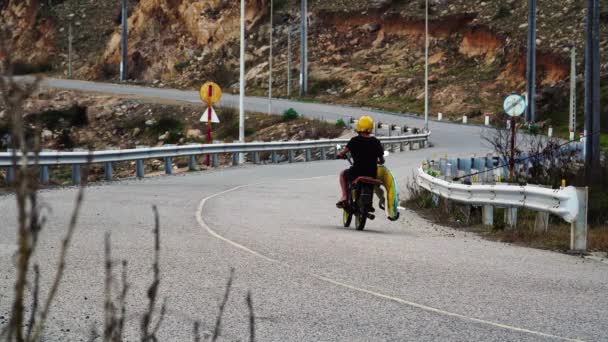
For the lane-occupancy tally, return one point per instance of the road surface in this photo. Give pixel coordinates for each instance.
(310, 279)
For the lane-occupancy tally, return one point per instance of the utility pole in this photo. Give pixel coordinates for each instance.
(426, 68)
(304, 49)
(289, 61)
(531, 63)
(123, 56)
(242, 82)
(592, 93)
(70, 40)
(572, 92)
(270, 64)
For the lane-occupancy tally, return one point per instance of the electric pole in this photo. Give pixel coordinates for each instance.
(304, 49)
(426, 68)
(70, 40)
(572, 92)
(592, 93)
(123, 45)
(270, 64)
(288, 61)
(242, 82)
(531, 63)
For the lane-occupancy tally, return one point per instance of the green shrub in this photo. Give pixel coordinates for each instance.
(180, 66)
(503, 12)
(75, 116)
(533, 129)
(340, 123)
(290, 115)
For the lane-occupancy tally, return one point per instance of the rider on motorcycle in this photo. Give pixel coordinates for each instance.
(367, 153)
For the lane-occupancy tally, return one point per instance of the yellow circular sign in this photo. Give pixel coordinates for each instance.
(211, 93)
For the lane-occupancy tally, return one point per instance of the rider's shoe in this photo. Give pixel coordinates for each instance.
(341, 204)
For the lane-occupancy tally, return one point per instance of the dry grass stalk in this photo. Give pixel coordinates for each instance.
(218, 321)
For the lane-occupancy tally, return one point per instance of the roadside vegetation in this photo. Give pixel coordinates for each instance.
(549, 168)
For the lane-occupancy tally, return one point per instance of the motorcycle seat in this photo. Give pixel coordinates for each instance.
(368, 180)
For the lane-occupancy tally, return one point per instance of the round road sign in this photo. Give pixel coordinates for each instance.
(514, 105)
(211, 93)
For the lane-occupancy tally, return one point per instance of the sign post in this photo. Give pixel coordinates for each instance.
(514, 106)
(210, 93)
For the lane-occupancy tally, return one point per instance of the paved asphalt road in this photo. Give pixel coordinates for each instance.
(310, 279)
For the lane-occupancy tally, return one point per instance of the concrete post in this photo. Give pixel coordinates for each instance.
(487, 215)
(139, 168)
(323, 153)
(308, 154)
(541, 224)
(235, 159)
(214, 160)
(464, 119)
(511, 218)
(192, 163)
(44, 174)
(274, 157)
(76, 176)
(439, 116)
(256, 157)
(108, 171)
(168, 165)
(578, 230)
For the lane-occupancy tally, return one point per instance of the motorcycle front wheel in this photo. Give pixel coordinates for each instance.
(347, 218)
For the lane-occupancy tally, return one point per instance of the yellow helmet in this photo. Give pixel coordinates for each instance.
(365, 124)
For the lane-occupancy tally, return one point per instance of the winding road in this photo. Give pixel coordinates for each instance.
(310, 279)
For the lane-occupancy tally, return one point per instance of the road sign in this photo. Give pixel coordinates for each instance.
(214, 117)
(514, 105)
(211, 93)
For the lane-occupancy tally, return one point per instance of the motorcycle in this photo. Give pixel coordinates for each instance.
(359, 200)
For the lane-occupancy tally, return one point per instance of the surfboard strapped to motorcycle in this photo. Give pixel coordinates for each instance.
(390, 203)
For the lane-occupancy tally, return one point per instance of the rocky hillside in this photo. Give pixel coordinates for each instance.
(368, 53)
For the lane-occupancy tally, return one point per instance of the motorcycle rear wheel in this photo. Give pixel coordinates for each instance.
(360, 220)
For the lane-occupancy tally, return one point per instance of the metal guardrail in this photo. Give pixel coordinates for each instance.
(78, 158)
(569, 203)
(85, 157)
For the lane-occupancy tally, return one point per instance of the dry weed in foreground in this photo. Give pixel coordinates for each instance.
(30, 221)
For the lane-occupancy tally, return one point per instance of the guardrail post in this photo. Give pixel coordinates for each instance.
(274, 156)
(578, 230)
(44, 174)
(235, 159)
(323, 153)
(487, 215)
(108, 171)
(10, 175)
(256, 157)
(168, 165)
(139, 168)
(541, 223)
(308, 154)
(192, 163)
(511, 218)
(465, 119)
(214, 160)
(76, 177)
(439, 116)
(290, 155)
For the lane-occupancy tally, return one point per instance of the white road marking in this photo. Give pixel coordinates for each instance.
(203, 224)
